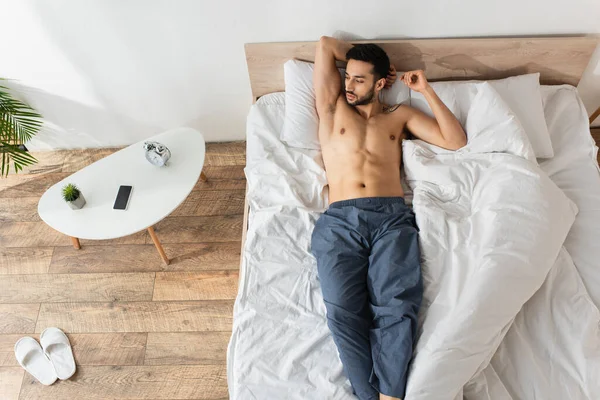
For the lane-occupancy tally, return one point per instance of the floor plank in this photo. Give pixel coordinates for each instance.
(225, 153)
(109, 348)
(7, 349)
(29, 185)
(135, 382)
(38, 234)
(89, 348)
(226, 228)
(25, 260)
(137, 238)
(208, 285)
(187, 348)
(210, 203)
(230, 177)
(10, 382)
(222, 184)
(137, 316)
(52, 288)
(30, 234)
(18, 318)
(22, 209)
(145, 258)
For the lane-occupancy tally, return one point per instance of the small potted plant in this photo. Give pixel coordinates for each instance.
(72, 195)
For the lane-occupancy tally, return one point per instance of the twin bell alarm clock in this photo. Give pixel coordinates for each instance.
(157, 153)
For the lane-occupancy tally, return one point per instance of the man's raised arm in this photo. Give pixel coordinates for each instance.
(326, 79)
(444, 130)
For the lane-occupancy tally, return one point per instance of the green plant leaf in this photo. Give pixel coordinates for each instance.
(18, 124)
(20, 158)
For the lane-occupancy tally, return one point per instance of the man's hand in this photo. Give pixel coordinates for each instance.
(391, 77)
(415, 80)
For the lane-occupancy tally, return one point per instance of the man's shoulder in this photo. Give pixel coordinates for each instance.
(397, 112)
(396, 108)
(390, 108)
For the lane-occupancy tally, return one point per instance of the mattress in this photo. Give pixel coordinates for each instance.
(280, 345)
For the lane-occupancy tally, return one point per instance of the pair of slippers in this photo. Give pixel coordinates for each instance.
(51, 361)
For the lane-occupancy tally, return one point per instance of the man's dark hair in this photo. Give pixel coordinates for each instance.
(373, 54)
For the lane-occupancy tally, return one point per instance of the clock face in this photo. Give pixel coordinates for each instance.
(154, 158)
(157, 153)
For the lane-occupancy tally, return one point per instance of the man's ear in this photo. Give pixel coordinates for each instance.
(380, 84)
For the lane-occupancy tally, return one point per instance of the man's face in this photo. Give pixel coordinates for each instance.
(360, 83)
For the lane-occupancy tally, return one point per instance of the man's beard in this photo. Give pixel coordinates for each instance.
(366, 99)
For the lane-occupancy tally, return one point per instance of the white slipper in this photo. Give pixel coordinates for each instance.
(30, 356)
(57, 347)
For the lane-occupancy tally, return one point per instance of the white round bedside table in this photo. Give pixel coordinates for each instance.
(156, 192)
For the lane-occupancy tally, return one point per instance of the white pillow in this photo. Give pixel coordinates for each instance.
(446, 91)
(521, 93)
(301, 124)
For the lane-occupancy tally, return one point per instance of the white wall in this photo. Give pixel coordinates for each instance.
(112, 72)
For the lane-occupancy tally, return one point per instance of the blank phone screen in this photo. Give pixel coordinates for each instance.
(122, 198)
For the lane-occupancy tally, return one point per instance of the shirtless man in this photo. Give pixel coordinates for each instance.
(366, 242)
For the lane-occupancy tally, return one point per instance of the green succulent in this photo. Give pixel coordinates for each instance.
(70, 192)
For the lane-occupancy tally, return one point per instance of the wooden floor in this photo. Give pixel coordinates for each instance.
(596, 136)
(139, 329)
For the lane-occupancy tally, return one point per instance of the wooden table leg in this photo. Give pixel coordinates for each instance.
(203, 177)
(158, 245)
(76, 243)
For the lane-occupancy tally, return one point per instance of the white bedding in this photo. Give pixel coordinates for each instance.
(491, 227)
(552, 349)
(280, 347)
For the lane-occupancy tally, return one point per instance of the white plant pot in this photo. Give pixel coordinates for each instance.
(77, 203)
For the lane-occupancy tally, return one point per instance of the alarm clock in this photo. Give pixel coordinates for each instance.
(157, 153)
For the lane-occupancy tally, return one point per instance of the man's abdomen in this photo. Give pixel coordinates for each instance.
(347, 181)
(369, 171)
(363, 188)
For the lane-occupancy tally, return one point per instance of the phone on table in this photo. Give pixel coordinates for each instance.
(122, 199)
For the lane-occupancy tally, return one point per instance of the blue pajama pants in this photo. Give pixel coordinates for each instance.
(368, 262)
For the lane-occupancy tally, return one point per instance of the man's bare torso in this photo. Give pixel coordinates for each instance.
(362, 156)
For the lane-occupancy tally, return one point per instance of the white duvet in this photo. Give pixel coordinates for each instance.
(505, 314)
(492, 225)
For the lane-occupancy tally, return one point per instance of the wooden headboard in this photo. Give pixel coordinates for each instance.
(558, 59)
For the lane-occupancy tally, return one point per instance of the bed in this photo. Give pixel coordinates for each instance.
(280, 346)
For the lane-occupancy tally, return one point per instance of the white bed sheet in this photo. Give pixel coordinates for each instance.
(280, 346)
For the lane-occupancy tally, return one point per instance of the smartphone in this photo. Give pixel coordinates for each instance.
(122, 198)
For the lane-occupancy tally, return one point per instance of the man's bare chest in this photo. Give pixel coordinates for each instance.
(379, 134)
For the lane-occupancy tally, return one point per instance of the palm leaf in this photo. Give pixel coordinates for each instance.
(18, 124)
(17, 119)
(20, 158)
